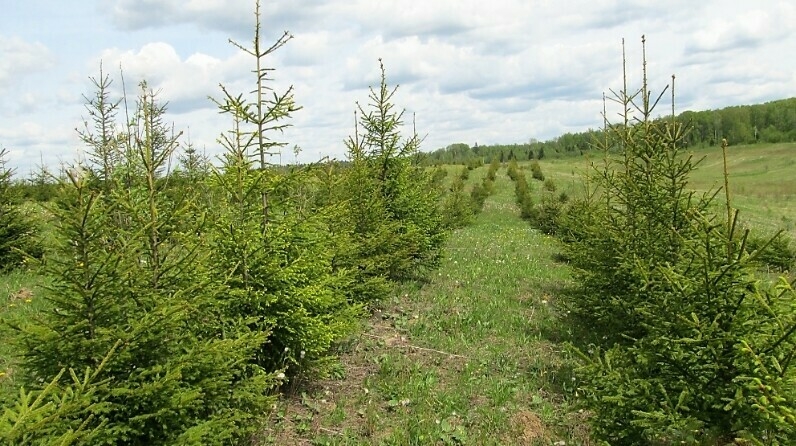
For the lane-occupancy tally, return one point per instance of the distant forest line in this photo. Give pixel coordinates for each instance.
(771, 122)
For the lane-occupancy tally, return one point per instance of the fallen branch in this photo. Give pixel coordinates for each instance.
(331, 431)
(417, 348)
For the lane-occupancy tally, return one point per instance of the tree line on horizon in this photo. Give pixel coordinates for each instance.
(771, 122)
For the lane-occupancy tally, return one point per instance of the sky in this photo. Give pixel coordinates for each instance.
(468, 71)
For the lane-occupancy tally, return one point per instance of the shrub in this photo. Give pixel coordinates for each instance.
(16, 232)
(714, 361)
(483, 190)
(513, 170)
(39, 187)
(479, 195)
(439, 174)
(474, 163)
(536, 170)
(457, 206)
(281, 277)
(776, 253)
(546, 215)
(464, 175)
(494, 165)
(522, 192)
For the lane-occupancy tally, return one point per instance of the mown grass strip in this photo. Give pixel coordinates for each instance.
(471, 357)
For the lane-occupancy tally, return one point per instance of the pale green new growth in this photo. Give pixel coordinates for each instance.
(255, 120)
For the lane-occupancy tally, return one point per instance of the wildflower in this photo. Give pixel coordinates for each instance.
(302, 354)
(280, 375)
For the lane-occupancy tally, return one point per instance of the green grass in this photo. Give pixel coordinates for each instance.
(762, 181)
(471, 357)
(475, 355)
(19, 300)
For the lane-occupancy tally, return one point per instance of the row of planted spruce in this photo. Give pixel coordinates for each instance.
(682, 337)
(181, 300)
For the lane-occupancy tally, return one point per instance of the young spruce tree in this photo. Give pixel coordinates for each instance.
(276, 258)
(129, 273)
(391, 205)
(691, 346)
(16, 232)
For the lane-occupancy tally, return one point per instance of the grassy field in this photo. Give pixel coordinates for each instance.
(474, 356)
(762, 181)
(19, 300)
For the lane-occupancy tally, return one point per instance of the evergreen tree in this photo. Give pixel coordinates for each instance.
(16, 233)
(457, 206)
(392, 207)
(689, 346)
(128, 273)
(100, 134)
(276, 257)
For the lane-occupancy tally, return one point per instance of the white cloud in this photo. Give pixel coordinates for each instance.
(31, 143)
(184, 83)
(19, 58)
(213, 14)
(501, 71)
